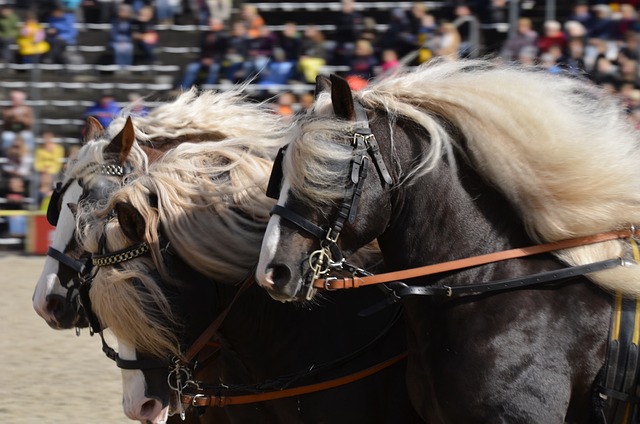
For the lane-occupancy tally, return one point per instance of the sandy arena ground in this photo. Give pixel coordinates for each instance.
(49, 376)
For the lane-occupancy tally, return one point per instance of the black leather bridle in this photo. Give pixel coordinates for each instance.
(81, 266)
(329, 257)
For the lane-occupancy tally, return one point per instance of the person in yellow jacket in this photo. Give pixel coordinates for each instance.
(31, 40)
(49, 156)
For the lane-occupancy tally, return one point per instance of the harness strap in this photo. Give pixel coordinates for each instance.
(300, 221)
(370, 141)
(74, 264)
(303, 223)
(221, 401)
(206, 336)
(355, 281)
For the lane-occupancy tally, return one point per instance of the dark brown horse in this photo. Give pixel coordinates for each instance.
(191, 228)
(456, 160)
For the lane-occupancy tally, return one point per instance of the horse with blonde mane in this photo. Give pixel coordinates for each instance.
(201, 212)
(468, 163)
(105, 160)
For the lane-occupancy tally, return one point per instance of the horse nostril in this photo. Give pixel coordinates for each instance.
(278, 274)
(56, 306)
(148, 408)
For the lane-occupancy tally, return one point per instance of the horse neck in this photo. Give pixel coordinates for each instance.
(271, 338)
(443, 216)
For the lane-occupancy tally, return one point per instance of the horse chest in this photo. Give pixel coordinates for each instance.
(506, 355)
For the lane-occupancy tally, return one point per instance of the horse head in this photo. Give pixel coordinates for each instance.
(146, 312)
(333, 171)
(98, 171)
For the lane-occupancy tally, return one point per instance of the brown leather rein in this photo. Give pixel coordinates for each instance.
(220, 401)
(355, 281)
(204, 339)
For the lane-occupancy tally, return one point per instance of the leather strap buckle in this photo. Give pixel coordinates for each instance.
(196, 398)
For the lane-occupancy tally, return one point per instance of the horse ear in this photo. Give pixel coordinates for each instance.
(122, 143)
(92, 129)
(342, 98)
(322, 84)
(131, 221)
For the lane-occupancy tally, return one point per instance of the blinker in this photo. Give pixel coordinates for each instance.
(53, 210)
(275, 180)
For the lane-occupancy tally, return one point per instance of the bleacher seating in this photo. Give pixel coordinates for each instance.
(60, 93)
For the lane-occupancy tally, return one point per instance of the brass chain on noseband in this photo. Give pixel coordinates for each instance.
(120, 256)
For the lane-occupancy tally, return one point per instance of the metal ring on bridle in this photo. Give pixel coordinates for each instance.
(319, 262)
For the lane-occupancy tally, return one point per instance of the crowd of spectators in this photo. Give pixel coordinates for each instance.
(597, 40)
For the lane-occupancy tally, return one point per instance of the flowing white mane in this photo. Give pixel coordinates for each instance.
(209, 197)
(560, 149)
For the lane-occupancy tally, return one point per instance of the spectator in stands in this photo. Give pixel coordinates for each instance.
(32, 43)
(398, 35)
(220, 9)
(213, 46)
(313, 55)
(448, 42)
(290, 42)
(166, 11)
(416, 14)
(279, 71)
(574, 58)
(628, 21)
(605, 73)
(468, 27)
(552, 36)
(602, 26)
(97, 11)
(630, 47)
(252, 20)
(528, 56)
(349, 23)
(45, 190)
(524, 37)
(137, 5)
(260, 51)
(370, 32)
(19, 161)
(71, 6)
(285, 104)
(575, 29)
(49, 156)
(237, 50)
(61, 32)
(363, 63)
(18, 120)
(136, 105)
(15, 195)
(306, 101)
(121, 36)
(582, 14)
(389, 63)
(144, 35)
(427, 38)
(9, 23)
(104, 110)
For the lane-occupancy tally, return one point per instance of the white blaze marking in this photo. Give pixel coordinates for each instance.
(271, 239)
(48, 282)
